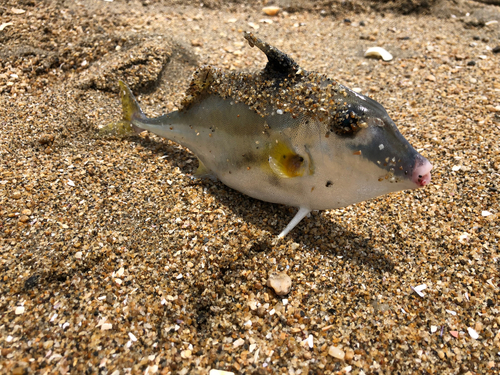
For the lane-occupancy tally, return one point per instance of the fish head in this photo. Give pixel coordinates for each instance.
(374, 136)
(366, 153)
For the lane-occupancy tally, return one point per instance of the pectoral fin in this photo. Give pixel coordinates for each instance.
(203, 171)
(285, 163)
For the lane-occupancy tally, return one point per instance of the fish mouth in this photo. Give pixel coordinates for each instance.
(421, 175)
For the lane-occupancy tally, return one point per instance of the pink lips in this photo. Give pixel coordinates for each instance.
(422, 172)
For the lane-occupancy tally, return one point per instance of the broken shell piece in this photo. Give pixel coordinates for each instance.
(220, 372)
(106, 326)
(280, 282)
(418, 289)
(271, 11)
(4, 25)
(309, 342)
(378, 52)
(238, 343)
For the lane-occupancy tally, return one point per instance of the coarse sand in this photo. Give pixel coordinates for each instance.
(114, 260)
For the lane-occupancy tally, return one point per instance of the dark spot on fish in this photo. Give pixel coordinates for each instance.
(274, 180)
(249, 158)
(329, 183)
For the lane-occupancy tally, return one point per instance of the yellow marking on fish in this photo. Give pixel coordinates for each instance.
(285, 163)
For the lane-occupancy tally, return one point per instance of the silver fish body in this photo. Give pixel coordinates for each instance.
(287, 136)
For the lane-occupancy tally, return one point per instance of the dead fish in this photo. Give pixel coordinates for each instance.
(288, 136)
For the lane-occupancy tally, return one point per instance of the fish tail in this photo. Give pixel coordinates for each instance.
(130, 106)
(131, 112)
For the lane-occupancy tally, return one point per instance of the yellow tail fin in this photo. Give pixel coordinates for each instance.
(130, 106)
(131, 110)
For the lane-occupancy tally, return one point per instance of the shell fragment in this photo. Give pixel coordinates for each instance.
(378, 52)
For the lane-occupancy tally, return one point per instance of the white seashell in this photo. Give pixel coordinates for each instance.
(378, 52)
(473, 333)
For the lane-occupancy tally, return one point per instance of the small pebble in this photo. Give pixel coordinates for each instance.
(349, 355)
(45, 139)
(271, 10)
(19, 310)
(496, 49)
(336, 352)
(281, 283)
(48, 344)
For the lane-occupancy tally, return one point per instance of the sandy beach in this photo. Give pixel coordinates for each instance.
(114, 260)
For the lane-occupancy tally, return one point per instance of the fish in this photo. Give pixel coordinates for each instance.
(286, 135)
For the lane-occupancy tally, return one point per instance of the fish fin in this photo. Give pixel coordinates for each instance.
(296, 219)
(278, 62)
(201, 80)
(285, 163)
(203, 171)
(130, 106)
(131, 111)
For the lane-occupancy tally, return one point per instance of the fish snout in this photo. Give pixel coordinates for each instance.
(422, 172)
